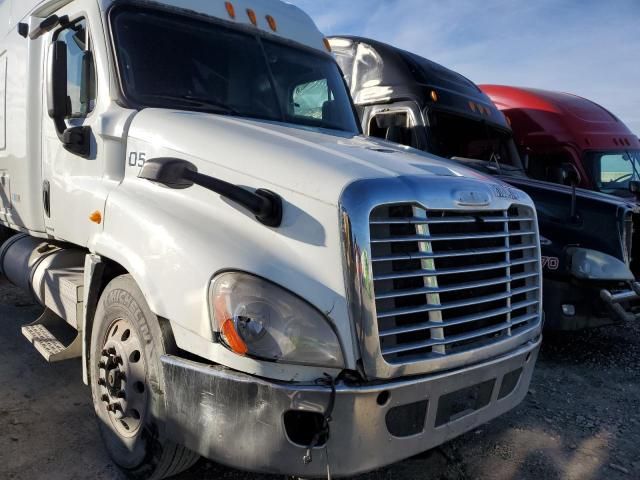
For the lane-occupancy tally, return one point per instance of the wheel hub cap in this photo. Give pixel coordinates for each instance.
(122, 378)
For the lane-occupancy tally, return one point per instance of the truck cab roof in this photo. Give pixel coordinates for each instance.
(381, 73)
(274, 17)
(542, 116)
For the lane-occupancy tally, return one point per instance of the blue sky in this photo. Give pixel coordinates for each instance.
(589, 48)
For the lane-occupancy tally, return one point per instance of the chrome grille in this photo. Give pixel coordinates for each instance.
(448, 281)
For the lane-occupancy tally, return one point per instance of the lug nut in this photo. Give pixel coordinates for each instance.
(102, 382)
(121, 376)
(102, 365)
(111, 351)
(122, 394)
(104, 353)
(105, 398)
(117, 410)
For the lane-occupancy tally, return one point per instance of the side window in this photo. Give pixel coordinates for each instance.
(80, 71)
(311, 99)
(395, 127)
(616, 170)
(548, 166)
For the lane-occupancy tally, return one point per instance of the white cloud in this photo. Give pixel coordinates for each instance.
(588, 48)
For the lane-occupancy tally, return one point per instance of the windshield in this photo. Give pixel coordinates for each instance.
(175, 61)
(612, 171)
(473, 142)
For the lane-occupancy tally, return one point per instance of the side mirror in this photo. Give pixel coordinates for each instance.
(570, 175)
(75, 139)
(634, 187)
(57, 104)
(524, 157)
(175, 173)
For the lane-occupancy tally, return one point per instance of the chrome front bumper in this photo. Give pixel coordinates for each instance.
(238, 420)
(619, 302)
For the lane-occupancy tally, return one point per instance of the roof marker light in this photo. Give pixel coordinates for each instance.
(272, 23)
(327, 45)
(252, 16)
(230, 9)
(472, 106)
(434, 95)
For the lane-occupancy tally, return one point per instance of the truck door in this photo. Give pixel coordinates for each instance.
(72, 186)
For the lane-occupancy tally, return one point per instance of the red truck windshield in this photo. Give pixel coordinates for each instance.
(612, 171)
(178, 61)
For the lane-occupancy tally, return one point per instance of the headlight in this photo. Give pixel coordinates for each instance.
(594, 265)
(259, 319)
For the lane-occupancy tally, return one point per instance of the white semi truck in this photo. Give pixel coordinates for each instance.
(185, 188)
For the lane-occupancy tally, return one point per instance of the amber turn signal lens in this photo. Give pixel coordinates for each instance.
(227, 328)
(96, 217)
(434, 95)
(230, 9)
(232, 338)
(252, 17)
(272, 23)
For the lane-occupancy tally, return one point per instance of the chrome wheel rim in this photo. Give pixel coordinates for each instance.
(122, 378)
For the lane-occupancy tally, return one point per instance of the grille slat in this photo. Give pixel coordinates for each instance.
(453, 253)
(457, 338)
(457, 271)
(452, 288)
(458, 304)
(451, 281)
(433, 221)
(456, 321)
(450, 238)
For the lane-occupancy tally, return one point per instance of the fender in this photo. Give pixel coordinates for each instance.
(164, 250)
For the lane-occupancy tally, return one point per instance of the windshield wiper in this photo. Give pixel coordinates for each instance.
(494, 158)
(488, 165)
(199, 102)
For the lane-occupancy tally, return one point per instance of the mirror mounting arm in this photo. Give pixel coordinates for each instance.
(44, 26)
(265, 205)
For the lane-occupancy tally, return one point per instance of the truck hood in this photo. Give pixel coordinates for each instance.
(581, 193)
(318, 164)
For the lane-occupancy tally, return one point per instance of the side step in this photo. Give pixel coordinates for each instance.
(51, 347)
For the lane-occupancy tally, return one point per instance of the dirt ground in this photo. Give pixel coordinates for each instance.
(581, 419)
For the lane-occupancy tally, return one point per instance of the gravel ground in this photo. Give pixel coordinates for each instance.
(581, 419)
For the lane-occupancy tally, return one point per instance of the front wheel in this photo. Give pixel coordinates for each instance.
(127, 341)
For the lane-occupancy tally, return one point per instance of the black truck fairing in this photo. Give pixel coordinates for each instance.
(588, 242)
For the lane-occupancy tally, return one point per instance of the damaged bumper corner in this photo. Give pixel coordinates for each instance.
(247, 422)
(620, 302)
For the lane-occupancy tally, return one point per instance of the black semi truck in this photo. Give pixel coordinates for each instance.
(590, 241)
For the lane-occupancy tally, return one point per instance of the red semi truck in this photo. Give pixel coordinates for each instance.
(556, 129)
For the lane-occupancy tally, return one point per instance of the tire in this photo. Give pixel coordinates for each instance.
(127, 385)
(5, 234)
